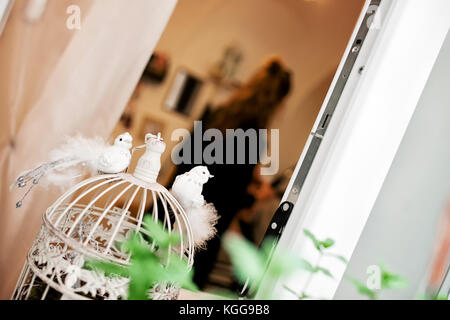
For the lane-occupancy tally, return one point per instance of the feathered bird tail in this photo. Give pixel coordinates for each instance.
(78, 150)
(68, 162)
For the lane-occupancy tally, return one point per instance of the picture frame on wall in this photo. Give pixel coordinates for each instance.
(183, 92)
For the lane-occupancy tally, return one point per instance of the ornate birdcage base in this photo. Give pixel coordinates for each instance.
(54, 270)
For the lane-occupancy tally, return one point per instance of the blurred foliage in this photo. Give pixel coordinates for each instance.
(151, 262)
(250, 263)
(154, 262)
(440, 296)
(322, 247)
(389, 280)
(363, 289)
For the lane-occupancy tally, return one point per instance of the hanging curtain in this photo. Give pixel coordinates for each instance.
(56, 81)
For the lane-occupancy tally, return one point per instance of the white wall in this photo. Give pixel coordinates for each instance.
(402, 226)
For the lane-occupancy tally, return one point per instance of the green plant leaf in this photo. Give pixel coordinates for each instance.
(140, 281)
(306, 265)
(248, 262)
(149, 266)
(159, 234)
(341, 258)
(324, 271)
(434, 297)
(268, 245)
(327, 243)
(363, 289)
(109, 269)
(391, 280)
(316, 242)
(179, 272)
(136, 246)
(284, 264)
(303, 296)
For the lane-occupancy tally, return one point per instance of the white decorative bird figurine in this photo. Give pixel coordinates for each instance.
(116, 158)
(71, 160)
(202, 216)
(188, 186)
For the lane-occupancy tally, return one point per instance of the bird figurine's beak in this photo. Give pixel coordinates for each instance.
(211, 176)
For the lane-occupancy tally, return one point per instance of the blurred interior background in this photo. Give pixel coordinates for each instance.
(208, 51)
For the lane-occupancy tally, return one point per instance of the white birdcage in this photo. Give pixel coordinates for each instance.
(89, 220)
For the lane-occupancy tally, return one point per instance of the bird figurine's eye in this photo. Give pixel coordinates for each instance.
(120, 139)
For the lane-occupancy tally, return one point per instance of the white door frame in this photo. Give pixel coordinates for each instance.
(362, 138)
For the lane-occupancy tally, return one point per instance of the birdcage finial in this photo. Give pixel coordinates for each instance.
(149, 164)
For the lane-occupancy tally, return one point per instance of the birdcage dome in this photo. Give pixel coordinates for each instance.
(90, 220)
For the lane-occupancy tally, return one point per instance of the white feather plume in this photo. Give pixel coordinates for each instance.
(79, 149)
(77, 156)
(63, 178)
(73, 159)
(202, 221)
